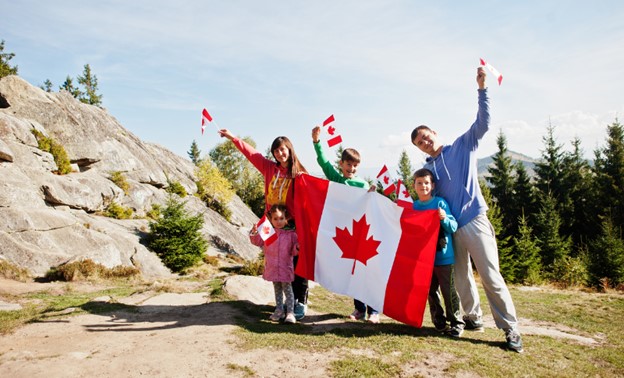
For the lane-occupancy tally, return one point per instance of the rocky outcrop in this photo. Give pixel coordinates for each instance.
(48, 219)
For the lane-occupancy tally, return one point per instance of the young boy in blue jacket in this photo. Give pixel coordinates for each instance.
(443, 266)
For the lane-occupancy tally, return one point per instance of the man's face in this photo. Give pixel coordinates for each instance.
(427, 141)
(348, 168)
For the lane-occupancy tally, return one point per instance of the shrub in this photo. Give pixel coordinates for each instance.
(253, 267)
(176, 237)
(176, 188)
(211, 260)
(114, 210)
(214, 189)
(58, 152)
(119, 179)
(13, 272)
(154, 213)
(88, 269)
(571, 271)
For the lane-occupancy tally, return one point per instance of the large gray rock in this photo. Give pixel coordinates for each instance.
(48, 219)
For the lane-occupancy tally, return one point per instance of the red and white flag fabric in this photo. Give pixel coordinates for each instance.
(362, 245)
(206, 118)
(266, 230)
(403, 199)
(493, 70)
(334, 138)
(387, 182)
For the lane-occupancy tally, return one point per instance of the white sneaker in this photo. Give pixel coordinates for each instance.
(290, 318)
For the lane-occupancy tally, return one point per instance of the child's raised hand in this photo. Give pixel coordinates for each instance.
(254, 230)
(442, 213)
(316, 132)
(225, 133)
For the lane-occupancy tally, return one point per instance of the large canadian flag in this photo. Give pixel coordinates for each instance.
(363, 245)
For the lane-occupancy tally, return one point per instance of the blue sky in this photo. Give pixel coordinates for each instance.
(269, 68)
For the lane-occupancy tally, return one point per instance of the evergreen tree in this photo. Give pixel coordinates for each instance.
(406, 172)
(527, 253)
(247, 182)
(549, 169)
(609, 171)
(523, 200)
(47, 86)
(338, 157)
(5, 68)
(606, 258)
(68, 85)
(176, 236)
(506, 259)
(194, 153)
(502, 182)
(553, 245)
(89, 82)
(576, 214)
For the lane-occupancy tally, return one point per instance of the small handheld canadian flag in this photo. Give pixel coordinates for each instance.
(266, 231)
(386, 181)
(404, 199)
(493, 70)
(207, 118)
(334, 138)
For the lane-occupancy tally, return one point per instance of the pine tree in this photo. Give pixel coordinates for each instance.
(194, 153)
(606, 258)
(68, 85)
(5, 68)
(506, 259)
(576, 213)
(553, 245)
(406, 172)
(47, 86)
(523, 200)
(609, 171)
(527, 253)
(176, 236)
(549, 169)
(338, 157)
(89, 82)
(502, 181)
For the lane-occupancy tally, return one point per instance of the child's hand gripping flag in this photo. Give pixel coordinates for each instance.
(494, 71)
(266, 231)
(328, 125)
(387, 182)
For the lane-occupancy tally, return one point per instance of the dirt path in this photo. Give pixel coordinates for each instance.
(166, 335)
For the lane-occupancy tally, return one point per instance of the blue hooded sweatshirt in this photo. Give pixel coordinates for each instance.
(455, 168)
(446, 255)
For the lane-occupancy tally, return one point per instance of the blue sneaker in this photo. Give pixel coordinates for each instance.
(300, 310)
(473, 325)
(514, 341)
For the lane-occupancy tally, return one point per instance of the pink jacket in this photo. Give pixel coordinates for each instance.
(278, 257)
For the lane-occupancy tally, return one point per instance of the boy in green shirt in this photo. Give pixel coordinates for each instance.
(349, 162)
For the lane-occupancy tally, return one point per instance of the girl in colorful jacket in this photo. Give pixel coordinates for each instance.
(278, 261)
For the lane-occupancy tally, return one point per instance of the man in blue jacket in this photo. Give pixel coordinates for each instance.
(455, 168)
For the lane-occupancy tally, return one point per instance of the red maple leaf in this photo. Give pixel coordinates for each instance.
(405, 193)
(331, 130)
(357, 246)
(386, 180)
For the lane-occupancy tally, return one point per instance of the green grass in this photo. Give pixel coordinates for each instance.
(41, 305)
(393, 349)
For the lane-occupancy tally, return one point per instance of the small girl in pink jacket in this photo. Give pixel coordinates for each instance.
(278, 262)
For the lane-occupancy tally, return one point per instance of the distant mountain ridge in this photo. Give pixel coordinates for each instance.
(516, 157)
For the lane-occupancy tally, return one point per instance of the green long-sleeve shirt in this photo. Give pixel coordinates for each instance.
(332, 173)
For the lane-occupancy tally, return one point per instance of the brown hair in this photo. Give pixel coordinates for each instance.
(424, 172)
(294, 165)
(417, 129)
(278, 207)
(350, 154)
